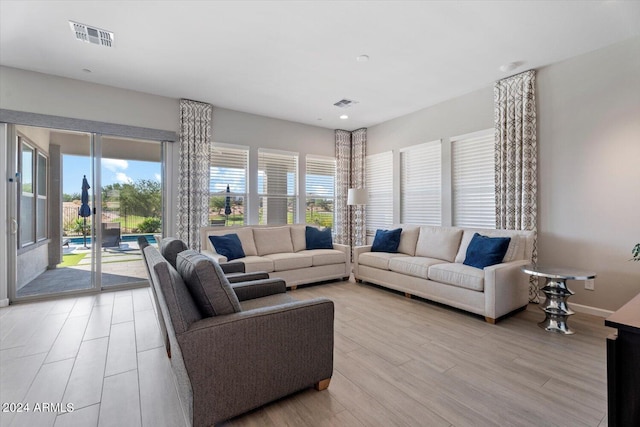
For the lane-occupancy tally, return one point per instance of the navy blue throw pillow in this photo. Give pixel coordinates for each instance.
(484, 251)
(386, 241)
(228, 245)
(318, 239)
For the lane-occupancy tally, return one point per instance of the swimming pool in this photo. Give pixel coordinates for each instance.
(124, 238)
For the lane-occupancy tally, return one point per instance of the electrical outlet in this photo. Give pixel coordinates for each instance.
(590, 284)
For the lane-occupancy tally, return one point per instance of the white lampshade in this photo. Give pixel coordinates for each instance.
(357, 196)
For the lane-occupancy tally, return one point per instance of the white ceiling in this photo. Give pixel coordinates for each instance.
(293, 60)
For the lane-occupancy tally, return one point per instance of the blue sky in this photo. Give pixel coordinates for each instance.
(113, 171)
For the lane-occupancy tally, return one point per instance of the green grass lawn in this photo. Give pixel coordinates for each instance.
(69, 260)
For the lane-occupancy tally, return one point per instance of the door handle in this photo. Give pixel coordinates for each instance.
(14, 226)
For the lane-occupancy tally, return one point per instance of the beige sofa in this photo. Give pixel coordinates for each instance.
(281, 251)
(429, 264)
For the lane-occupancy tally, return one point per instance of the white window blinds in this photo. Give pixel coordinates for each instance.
(228, 167)
(379, 178)
(473, 182)
(420, 184)
(277, 187)
(320, 190)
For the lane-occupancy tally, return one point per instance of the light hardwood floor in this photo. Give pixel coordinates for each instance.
(397, 362)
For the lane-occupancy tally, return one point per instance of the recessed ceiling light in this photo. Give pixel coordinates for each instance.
(362, 58)
(344, 117)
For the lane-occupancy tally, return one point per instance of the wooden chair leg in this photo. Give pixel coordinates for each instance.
(490, 320)
(322, 384)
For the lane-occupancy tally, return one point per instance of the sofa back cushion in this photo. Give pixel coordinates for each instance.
(408, 238)
(438, 242)
(207, 284)
(298, 236)
(170, 248)
(245, 234)
(517, 249)
(273, 240)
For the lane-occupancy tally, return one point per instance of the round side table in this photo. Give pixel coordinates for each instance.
(555, 306)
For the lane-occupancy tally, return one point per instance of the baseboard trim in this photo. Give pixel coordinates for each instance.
(587, 309)
(4, 302)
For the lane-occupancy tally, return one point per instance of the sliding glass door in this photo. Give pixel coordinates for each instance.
(79, 203)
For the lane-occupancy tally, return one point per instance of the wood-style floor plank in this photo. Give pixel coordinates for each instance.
(397, 362)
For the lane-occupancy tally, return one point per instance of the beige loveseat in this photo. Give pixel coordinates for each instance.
(429, 264)
(282, 252)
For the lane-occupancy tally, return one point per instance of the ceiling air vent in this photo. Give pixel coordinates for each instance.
(93, 35)
(345, 103)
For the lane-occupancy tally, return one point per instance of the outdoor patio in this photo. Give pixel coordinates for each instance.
(120, 266)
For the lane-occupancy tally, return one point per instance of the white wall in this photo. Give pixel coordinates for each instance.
(33, 92)
(589, 169)
(588, 162)
(22, 90)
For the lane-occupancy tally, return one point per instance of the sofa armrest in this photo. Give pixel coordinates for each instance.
(233, 267)
(347, 252)
(506, 288)
(246, 277)
(357, 250)
(259, 288)
(214, 256)
(243, 360)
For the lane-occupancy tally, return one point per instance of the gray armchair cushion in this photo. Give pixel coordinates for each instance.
(258, 288)
(207, 284)
(170, 248)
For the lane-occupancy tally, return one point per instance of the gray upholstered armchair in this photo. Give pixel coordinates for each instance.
(234, 349)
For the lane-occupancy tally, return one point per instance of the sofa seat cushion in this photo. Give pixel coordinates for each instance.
(289, 261)
(325, 256)
(413, 265)
(457, 274)
(272, 240)
(378, 259)
(257, 263)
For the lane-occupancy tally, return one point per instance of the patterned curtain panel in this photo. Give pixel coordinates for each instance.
(193, 182)
(342, 222)
(357, 180)
(516, 158)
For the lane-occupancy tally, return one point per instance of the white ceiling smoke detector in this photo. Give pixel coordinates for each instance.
(362, 58)
(345, 103)
(92, 35)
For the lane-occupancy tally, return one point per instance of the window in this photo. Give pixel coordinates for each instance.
(227, 168)
(32, 209)
(277, 187)
(379, 178)
(320, 193)
(420, 184)
(473, 182)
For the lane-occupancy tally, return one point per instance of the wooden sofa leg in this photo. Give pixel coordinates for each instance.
(294, 287)
(407, 295)
(322, 384)
(490, 320)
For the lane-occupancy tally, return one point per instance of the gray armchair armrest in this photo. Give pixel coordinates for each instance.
(246, 277)
(259, 288)
(257, 356)
(232, 267)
